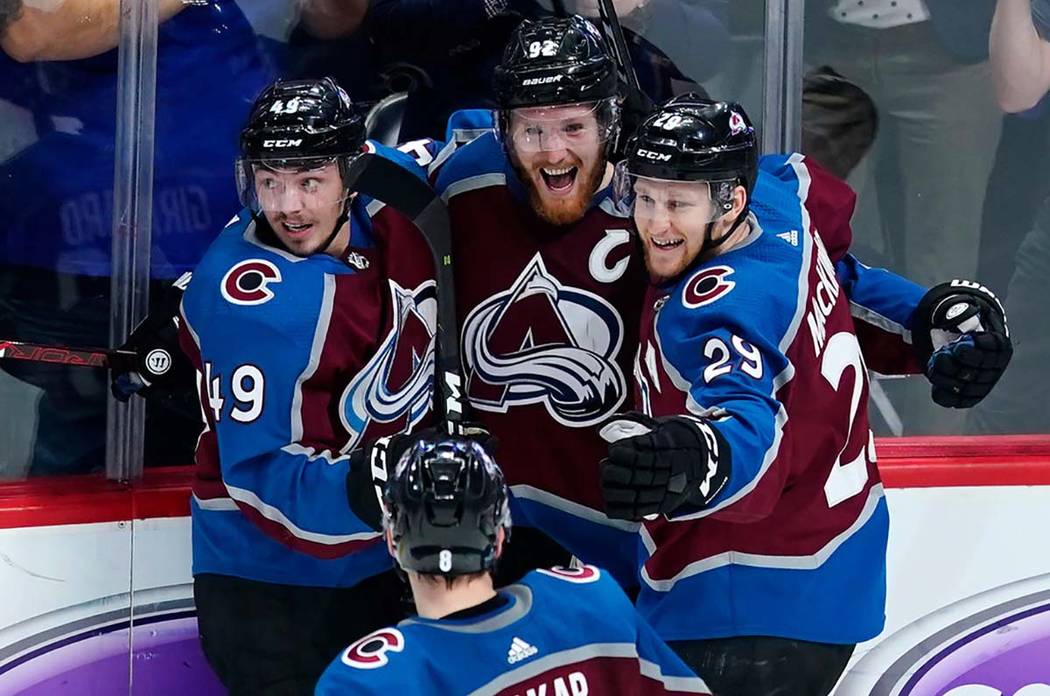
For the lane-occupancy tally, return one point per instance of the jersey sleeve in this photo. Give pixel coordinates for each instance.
(254, 377)
(882, 304)
(827, 202)
(660, 664)
(731, 369)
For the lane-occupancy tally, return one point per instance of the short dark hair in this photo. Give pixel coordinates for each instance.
(450, 580)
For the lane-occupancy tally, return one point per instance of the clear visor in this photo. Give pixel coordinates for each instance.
(290, 185)
(562, 127)
(649, 199)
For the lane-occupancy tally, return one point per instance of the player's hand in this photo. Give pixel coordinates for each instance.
(158, 363)
(372, 464)
(656, 465)
(963, 342)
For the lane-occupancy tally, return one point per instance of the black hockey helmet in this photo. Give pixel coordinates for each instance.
(445, 503)
(302, 119)
(692, 139)
(689, 138)
(557, 61)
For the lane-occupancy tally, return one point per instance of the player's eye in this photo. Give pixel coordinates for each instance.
(311, 185)
(645, 199)
(573, 129)
(675, 204)
(268, 184)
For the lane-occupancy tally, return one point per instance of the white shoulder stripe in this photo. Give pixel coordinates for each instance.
(273, 514)
(473, 183)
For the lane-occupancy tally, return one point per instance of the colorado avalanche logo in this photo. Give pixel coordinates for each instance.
(246, 283)
(543, 342)
(371, 396)
(580, 576)
(707, 286)
(370, 652)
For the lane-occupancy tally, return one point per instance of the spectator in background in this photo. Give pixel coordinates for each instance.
(675, 45)
(57, 200)
(924, 64)
(443, 52)
(921, 188)
(1020, 56)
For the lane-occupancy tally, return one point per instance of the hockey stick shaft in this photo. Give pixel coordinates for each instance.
(614, 33)
(64, 355)
(386, 181)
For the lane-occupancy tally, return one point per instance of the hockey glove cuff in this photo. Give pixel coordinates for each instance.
(159, 362)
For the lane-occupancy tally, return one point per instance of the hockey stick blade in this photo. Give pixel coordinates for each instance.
(386, 181)
(64, 355)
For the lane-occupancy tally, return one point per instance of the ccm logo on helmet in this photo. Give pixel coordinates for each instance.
(246, 283)
(658, 156)
(541, 80)
(283, 143)
(370, 652)
(707, 286)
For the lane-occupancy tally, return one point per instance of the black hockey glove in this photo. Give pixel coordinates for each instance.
(372, 464)
(656, 465)
(159, 362)
(960, 334)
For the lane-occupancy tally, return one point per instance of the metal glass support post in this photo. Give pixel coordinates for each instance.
(132, 217)
(782, 110)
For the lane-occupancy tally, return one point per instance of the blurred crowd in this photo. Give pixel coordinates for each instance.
(933, 110)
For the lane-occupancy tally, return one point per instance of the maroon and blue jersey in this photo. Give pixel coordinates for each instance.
(559, 632)
(548, 317)
(299, 361)
(762, 341)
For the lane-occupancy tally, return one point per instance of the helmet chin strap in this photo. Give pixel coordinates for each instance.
(339, 222)
(710, 244)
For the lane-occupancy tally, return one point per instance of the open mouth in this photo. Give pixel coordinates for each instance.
(559, 179)
(297, 229)
(667, 244)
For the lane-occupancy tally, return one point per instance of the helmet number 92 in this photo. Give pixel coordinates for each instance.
(667, 121)
(545, 48)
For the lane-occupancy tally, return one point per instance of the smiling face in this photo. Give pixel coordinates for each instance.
(672, 219)
(558, 153)
(303, 206)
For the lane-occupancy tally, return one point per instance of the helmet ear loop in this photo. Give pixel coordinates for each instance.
(724, 201)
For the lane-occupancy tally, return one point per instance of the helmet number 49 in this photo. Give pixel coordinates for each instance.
(289, 107)
(545, 48)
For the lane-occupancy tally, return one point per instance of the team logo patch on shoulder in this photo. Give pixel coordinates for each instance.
(248, 282)
(370, 652)
(707, 286)
(581, 576)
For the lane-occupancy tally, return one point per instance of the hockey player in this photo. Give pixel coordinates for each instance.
(560, 632)
(310, 323)
(548, 285)
(753, 469)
